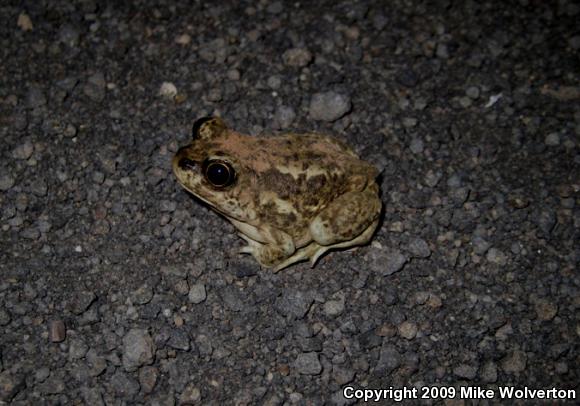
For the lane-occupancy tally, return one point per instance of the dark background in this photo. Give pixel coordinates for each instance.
(470, 109)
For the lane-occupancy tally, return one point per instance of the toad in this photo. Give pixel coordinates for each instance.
(291, 197)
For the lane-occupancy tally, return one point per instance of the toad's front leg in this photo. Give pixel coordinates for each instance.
(268, 245)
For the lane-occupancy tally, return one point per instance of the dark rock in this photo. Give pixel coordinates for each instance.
(81, 301)
(294, 303)
(516, 362)
(232, 299)
(190, 395)
(77, 348)
(329, 106)
(148, 378)
(36, 97)
(197, 293)
(284, 117)
(419, 248)
(95, 88)
(389, 359)
(142, 295)
(179, 340)
(370, 340)
(308, 363)
(124, 385)
(10, 385)
(6, 181)
(92, 396)
(465, 371)
(54, 385)
(138, 349)
(546, 220)
(407, 77)
(388, 262)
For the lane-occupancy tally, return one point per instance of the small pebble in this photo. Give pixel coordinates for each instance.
(274, 82)
(419, 248)
(233, 74)
(394, 262)
(334, 308)
(197, 293)
(574, 42)
(417, 146)
(167, 90)
(489, 372)
(96, 86)
(342, 375)
(6, 182)
(545, 310)
(546, 220)
(515, 362)
(23, 151)
(472, 92)
(308, 363)
(190, 395)
(183, 39)
(276, 7)
(138, 349)
(297, 57)
(77, 348)
(442, 51)
(294, 303)
(42, 374)
(465, 371)
(432, 178)
(284, 116)
(407, 330)
(69, 35)
(148, 378)
(10, 385)
(56, 331)
(24, 22)
(329, 106)
(142, 295)
(389, 359)
(480, 246)
(35, 97)
(496, 256)
(552, 139)
(124, 385)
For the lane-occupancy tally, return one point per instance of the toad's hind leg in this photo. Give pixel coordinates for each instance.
(314, 251)
(349, 220)
(362, 239)
(346, 218)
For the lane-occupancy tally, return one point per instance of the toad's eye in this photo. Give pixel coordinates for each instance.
(219, 173)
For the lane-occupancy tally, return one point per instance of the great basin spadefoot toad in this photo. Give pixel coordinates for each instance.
(292, 197)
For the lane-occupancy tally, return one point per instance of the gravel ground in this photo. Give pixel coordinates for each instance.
(119, 288)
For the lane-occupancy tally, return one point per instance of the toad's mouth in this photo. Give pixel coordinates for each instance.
(198, 196)
(211, 204)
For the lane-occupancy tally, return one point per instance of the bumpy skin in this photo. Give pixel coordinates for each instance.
(295, 196)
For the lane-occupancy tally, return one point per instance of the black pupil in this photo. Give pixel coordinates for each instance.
(218, 174)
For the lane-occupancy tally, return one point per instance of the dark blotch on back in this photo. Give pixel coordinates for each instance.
(283, 184)
(316, 182)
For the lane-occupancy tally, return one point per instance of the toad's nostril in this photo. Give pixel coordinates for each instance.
(187, 164)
